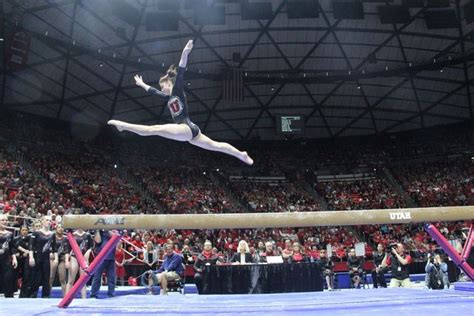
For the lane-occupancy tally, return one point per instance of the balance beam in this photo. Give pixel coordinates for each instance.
(270, 220)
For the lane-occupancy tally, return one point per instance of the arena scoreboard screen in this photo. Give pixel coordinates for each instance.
(290, 124)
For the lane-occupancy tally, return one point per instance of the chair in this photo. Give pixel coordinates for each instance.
(178, 284)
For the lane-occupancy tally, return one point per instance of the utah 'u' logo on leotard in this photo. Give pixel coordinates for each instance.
(175, 106)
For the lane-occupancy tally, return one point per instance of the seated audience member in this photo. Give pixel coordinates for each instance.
(354, 264)
(298, 255)
(399, 264)
(171, 269)
(378, 272)
(327, 268)
(288, 251)
(242, 256)
(436, 273)
(313, 253)
(268, 252)
(188, 257)
(205, 258)
(150, 255)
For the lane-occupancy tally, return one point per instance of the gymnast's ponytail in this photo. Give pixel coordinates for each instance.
(171, 74)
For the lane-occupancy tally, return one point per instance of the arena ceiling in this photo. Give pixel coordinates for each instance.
(345, 76)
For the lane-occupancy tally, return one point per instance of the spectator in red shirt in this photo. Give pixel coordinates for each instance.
(288, 251)
(297, 255)
(269, 252)
(205, 258)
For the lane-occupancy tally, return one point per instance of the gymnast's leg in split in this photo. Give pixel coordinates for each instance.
(183, 133)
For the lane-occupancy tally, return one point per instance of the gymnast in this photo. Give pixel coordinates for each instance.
(172, 90)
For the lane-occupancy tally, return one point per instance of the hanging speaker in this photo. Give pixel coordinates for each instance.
(161, 21)
(351, 9)
(256, 10)
(469, 12)
(302, 9)
(394, 14)
(441, 19)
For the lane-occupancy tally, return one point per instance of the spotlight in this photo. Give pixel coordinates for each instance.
(204, 173)
(115, 166)
(217, 170)
(410, 64)
(304, 75)
(245, 74)
(358, 87)
(1, 39)
(386, 67)
(139, 59)
(46, 33)
(101, 65)
(273, 89)
(441, 70)
(327, 73)
(188, 83)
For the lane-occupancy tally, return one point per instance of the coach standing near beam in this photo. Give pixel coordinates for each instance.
(101, 238)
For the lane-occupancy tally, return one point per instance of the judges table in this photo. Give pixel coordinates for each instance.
(261, 278)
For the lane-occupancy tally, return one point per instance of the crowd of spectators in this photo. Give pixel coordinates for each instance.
(444, 182)
(88, 179)
(185, 190)
(24, 194)
(365, 194)
(274, 196)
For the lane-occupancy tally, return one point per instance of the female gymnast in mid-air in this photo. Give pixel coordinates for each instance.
(172, 90)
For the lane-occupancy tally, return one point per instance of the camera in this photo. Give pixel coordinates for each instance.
(390, 247)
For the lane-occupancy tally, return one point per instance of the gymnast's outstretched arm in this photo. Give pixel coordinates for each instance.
(184, 56)
(139, 82)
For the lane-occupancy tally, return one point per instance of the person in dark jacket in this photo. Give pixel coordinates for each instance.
(205, 258)
(242, 256)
